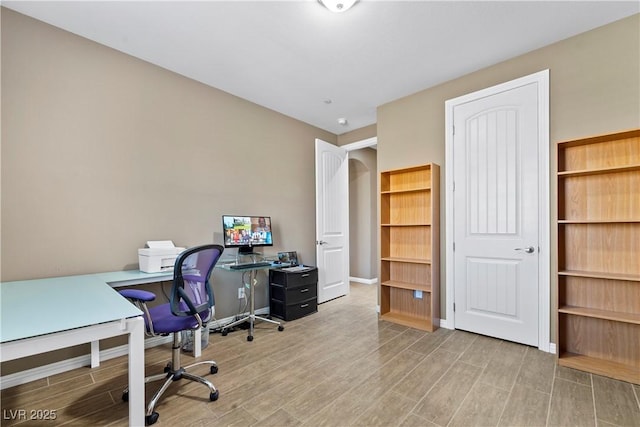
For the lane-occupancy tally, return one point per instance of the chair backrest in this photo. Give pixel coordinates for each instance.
(191, 292)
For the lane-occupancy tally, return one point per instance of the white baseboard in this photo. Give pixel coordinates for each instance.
(444, 324)
(552, 348)
(40, 372)
(365, 281)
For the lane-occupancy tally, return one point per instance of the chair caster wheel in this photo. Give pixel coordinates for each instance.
(281, 328)
(151, 419)
(224, 332)
(125, 396)
(214, 370)
(250, 338)
(214, 396)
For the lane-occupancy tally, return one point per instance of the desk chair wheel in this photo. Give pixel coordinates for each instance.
(250, 338)
(281, 328)
(214, 396)
(224, 332)
(151, 419)
(125, 396)
(214, 369)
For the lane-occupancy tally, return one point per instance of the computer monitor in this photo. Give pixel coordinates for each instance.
(246, 232)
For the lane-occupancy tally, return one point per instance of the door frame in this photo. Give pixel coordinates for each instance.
(540, 78)
(364, 143)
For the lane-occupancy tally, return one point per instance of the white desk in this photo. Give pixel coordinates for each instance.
(133, 277)
(117, 279)
(71, 311)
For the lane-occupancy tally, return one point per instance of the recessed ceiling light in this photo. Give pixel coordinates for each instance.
(342, 121)
(338, 6)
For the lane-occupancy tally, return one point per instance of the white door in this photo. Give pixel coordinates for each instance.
(496, 214)
(332, 220)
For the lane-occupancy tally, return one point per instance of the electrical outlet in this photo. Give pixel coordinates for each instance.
(417, 294)
(240, 293)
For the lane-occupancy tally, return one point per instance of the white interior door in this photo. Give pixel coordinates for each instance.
(332, 220)
(496, 214)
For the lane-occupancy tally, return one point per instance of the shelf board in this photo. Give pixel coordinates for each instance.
(424, 287)
(409, 260)
(422, 224)
(599, 366)
(406, 320)
(597, 139)
(406, 190)
(615, 316)
(600, 275)
(598, 221)
(598, 171)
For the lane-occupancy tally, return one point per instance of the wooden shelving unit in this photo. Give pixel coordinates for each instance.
(410, 246)
(598, 318)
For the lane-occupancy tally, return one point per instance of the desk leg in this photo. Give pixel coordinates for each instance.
(251, 318)
(95, 354)
(197, 342)
(136, 371)
(252, 309)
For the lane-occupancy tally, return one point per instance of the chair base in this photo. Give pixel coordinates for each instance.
(172, 375)
(251, 319)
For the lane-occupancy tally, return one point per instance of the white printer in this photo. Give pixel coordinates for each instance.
(159, 255)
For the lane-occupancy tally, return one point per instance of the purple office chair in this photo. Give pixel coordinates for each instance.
(191, 305)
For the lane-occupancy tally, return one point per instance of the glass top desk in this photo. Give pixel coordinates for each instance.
(250, 265)
(70, 311)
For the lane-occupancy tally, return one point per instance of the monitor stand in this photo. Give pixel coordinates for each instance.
(245, 250)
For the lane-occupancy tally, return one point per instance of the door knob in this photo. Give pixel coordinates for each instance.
(320, 242)
(528, 249)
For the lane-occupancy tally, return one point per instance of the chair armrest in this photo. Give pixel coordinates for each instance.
(139, 298)
(138, 294)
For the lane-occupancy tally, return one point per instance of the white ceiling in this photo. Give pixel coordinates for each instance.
(292, 56)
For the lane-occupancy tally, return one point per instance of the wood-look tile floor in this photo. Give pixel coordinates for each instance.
(344, 367)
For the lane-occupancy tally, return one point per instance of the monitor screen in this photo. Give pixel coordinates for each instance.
(245, 232)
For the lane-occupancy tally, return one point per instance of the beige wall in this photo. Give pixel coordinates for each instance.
(594, 88)
(102, 152)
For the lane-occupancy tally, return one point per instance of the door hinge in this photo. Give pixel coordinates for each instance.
(453, 129)
(454, 246)
(454, 186)
(454, 307)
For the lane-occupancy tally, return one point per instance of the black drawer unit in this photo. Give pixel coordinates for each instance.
(293, 294)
